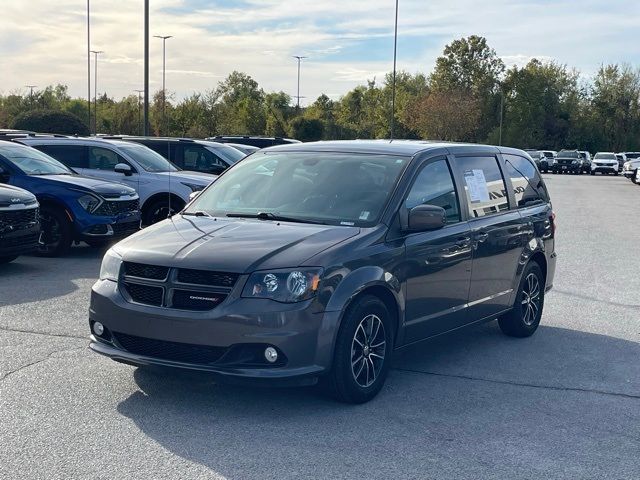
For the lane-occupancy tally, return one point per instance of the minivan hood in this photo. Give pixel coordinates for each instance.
(230, 245)
(90, 184)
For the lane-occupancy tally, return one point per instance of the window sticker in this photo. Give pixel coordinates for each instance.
(477, 185)
(364, 215)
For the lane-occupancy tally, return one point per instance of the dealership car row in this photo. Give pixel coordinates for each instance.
(581, 161)
(56, 190)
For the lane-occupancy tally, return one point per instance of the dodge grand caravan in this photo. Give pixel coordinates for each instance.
(318, 260)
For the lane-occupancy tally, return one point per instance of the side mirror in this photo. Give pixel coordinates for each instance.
(193, 195)
(124, 169)
(426, 217)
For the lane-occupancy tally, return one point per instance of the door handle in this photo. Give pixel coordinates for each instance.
(481, 236)
(462, 242)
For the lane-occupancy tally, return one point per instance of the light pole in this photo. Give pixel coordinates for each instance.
(89, 64)
(164, 70)
(140, 92)
(95, 91)
(146, 67)
(300, 58)
(393, 88)
(31, 87)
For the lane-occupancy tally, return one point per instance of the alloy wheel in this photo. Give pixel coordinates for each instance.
(530, 299)
(51, 233)
(368, 349)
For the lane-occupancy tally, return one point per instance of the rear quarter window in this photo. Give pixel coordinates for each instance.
(528, 187)
(485, 188)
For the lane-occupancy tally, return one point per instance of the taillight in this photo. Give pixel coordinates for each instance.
(552, 218)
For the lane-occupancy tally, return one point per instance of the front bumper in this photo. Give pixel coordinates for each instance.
(604, 168)
(303, 335)
(567, 168)
(19, 242)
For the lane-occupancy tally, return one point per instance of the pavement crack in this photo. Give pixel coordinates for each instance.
(521, 384)
(36, 362)
(33, 332)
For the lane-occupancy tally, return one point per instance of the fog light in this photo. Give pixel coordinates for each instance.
(98, 329)
(271, 354)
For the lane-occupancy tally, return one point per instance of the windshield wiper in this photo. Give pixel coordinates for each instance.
(273, 216)
(199, 213)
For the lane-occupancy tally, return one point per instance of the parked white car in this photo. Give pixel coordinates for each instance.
(162, 187)
(605, 163)
(631, 167)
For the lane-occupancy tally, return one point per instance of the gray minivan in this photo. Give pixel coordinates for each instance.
(318, 260)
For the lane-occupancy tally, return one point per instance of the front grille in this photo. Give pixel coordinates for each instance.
(141, 270)
(122, 230)
(111, 208)
(205, 277)
(177, 352)
(27, 241)
(145, 294)
(19, 219)
(178, 288)
(565, 162)
(196, 300)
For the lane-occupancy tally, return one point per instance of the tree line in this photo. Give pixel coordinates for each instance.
(470, 96)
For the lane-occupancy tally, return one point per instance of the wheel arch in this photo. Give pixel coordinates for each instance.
(156, 197)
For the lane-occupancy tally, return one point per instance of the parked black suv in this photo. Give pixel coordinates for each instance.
(19, 222)
(260, 142)
(569, 161)
(189, 154)
(319, 260)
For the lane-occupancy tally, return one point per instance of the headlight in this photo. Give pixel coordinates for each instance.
(110, 268)
(288, 286)
(89, 202)
(193, 186)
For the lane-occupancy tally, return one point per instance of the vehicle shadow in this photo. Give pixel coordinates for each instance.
(31, 279)
(450, 403)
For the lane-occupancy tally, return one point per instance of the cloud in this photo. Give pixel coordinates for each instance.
(347, 41)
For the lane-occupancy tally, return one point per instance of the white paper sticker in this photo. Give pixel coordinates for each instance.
(364, 215)
(477, 185)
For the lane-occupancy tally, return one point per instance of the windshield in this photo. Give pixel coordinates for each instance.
(569, 154)
(633, 155)
(148, 159)
(230, 154)
(605, 156)
(332, 188)
(32, 161)
(548, 154)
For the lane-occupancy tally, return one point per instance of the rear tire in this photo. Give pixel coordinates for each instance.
(8, 259)
(363, 350)
(55, 236)
(524, 318)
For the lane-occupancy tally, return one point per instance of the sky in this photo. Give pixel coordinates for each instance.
(348, 42)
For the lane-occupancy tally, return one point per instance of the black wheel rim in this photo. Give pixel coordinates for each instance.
(51, 233)
(530, 299)
(368, 349)
(162, 213)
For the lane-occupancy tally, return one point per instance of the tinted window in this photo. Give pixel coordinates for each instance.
(104, 159)
(484, 186)
(525, 179)
(32, 161)
(74, 156)
(434, 186)
(605, 156)
(147, 158)
(196, 157)
(334, 188)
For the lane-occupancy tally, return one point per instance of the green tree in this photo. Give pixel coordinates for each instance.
(306, 129)
(241, 105)
(50, 121)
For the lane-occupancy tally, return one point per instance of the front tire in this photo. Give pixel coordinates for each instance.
(363, 350)
(524, 318)
(159, 210)
(55, 236)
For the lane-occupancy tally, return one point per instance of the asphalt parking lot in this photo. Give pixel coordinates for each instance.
(562, 404)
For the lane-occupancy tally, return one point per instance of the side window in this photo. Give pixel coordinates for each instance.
(525, 179)
(484, 186)
(73, 156)
(434, 186)
(161, 148)
(104, 159)
(196, 157)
